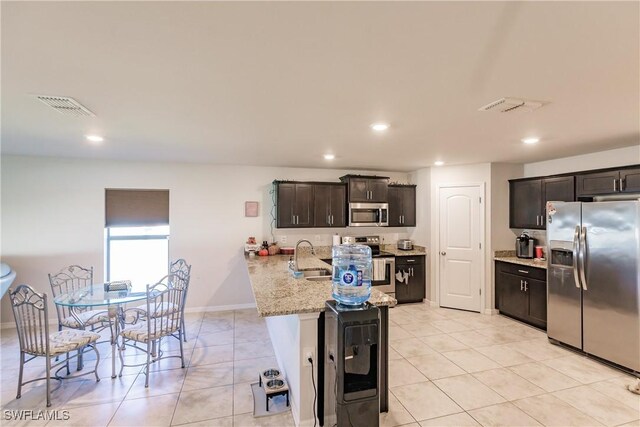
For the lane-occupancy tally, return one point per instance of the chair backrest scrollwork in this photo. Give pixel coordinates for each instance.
(67, 280)
(31, 314)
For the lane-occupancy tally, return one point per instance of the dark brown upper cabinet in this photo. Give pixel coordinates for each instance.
(528, 199)
(608, 182)
(366, 189)
(294, 205)
(402, 205)
(330, 205)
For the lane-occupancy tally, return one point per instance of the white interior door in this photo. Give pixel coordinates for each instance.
(460, 254)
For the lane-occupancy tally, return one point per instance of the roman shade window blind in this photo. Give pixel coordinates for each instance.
(136, 208)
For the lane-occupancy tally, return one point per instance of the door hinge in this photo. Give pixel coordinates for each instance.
(480, 245)
(479, 199)
(480, 291)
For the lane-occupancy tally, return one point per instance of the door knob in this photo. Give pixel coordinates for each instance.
(443, 253)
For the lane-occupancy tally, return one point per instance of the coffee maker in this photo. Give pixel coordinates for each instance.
(525, 246)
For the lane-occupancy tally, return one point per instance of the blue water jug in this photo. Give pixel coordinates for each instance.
(352, 272)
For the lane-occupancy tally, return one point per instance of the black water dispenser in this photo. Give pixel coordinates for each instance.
(351, 365)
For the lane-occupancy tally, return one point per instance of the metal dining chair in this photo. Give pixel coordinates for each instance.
(71, 279)
(31, 314)
(183, 272)
(181, 266)
(162, 317)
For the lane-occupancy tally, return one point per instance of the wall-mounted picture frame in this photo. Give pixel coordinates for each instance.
(250, 209)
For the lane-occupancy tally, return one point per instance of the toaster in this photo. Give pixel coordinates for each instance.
(405, 244)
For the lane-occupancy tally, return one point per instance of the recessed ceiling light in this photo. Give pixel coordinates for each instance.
(379, 127)
(329, 156)
(94, 138)
(531, 140)
(438, 163)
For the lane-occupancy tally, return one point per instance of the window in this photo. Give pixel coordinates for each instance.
(139, 254)
(137, 236)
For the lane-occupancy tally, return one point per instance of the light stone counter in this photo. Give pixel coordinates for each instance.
(510, 257)
(393, 249)
(278, 293)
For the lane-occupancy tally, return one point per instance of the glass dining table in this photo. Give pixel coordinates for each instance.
(97, 296)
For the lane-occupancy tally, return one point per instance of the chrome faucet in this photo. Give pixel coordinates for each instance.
(295, 261)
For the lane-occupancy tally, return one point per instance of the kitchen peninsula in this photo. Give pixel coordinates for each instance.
(292, 308)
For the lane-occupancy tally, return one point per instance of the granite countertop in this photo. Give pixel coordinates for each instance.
(510, 257)
(278, 293)
(393, 249)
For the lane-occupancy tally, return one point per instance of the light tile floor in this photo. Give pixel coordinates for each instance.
(447, 368)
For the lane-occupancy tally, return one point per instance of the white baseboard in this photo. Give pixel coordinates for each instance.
(220, 308)
(54, 322)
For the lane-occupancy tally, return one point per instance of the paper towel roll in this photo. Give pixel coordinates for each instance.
(336, 240)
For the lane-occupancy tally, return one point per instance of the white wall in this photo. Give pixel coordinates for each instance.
(466, 174)
(604, 159)
(53, 216)
(421, 233)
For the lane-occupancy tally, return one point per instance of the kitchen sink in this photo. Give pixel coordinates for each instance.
(316, 272)
(319, 278)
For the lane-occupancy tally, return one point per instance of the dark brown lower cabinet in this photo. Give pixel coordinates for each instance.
(413, 290)
(521, 293)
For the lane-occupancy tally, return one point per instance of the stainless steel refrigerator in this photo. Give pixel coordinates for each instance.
(593, 278)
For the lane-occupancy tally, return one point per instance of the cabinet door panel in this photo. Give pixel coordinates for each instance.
(630, 180)
(560, 189)
(417, 282)
(338, 205)
(303, 207)
(395, 206)
(597, 183)
(358, 190)
(322, 205)
(285, 202)
(512, 299)
(525, 201)
(378, 190)
(409, 205)
(537, 292)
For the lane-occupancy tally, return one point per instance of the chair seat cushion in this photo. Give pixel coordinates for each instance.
(69, 340)
(162, 309)
(88, 318)
(159, 328)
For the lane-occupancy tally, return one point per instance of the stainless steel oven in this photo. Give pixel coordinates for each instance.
(384, 270)
(384, 263)
(368, 214)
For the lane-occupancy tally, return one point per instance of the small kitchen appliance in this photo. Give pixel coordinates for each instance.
(405, 244)
(525, 246)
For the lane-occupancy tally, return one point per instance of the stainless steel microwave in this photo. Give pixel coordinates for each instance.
(368, 214)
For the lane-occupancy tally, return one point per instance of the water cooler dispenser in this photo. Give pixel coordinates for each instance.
(351, 365)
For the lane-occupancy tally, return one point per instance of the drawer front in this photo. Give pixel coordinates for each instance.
(409, 260)
(523, 270)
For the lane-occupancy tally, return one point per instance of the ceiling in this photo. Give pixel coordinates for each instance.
(282, 83)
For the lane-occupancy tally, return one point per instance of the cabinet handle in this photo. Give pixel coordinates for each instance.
(412, 274)
(411, 260)
(523, 271)
(537, 219)
(297, 220)
(521, 284)
(542, 219)
(622, 184)
(615, 184)
(525, 286)
(331, 219)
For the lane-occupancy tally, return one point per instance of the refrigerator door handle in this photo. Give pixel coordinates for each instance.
(576, 250)
(583, 257)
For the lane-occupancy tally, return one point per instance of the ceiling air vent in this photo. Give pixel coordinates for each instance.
(505, 105)
(65, 105)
